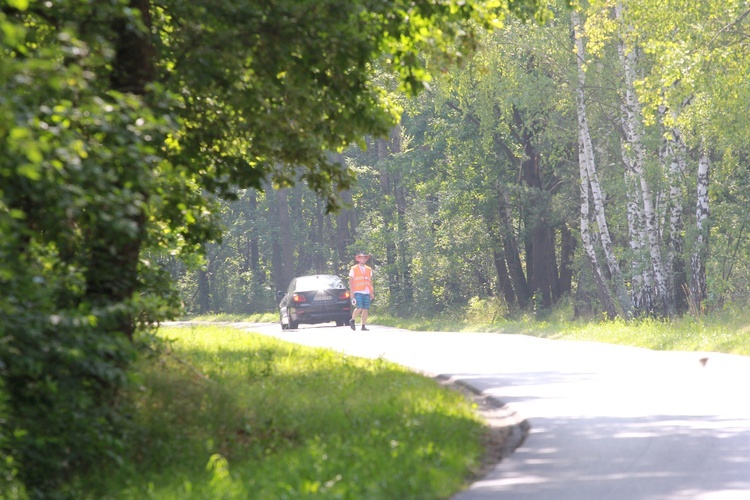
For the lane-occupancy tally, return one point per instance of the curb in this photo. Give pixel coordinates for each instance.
(500, 417)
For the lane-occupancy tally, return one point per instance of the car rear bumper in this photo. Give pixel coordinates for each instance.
(310, 315)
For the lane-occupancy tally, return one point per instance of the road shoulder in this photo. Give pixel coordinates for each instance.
(506, 430)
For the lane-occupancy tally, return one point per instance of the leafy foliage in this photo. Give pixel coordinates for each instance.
(120, 124)
(428, 198)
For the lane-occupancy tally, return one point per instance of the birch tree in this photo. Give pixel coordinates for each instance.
(634, 157)
(604, 295)
(698, 290)
(676, 156)
(589, 174)
(697, 78)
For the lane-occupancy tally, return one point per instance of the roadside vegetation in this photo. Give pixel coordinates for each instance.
(218, 412)
(727, 331)
(192, 155)
(223, 413)
(238, 318)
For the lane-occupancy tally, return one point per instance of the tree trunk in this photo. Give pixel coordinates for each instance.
(404, 266)
(541, 259)
(698, 288)
(318, 257)
(589, 178)
(633, 155)
(605, 298)
(567, 253)
(642, 278)
(277, 260)
(285, 236)
(346, 226)
(112, 275)
(545, 272)
(512, 255)
(583, 300)
(204, 292)
(675, 152)
(386, 189)
(253, 237)
(503, 280)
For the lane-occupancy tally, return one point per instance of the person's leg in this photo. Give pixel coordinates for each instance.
(365, 309)
(353, 318)
(357, 311)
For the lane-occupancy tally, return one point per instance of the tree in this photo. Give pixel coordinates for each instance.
(488, 170)
(590, 184)
(677, 82)
(120, 123)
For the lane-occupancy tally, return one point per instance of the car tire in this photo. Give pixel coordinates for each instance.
(340, 323)
(281, 322)
(293, 325)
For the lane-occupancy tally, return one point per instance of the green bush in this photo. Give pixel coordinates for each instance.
(61, 416)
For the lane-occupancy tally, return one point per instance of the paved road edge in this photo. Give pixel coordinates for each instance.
(498, 414)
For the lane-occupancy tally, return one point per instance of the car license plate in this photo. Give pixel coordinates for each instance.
(323, 297)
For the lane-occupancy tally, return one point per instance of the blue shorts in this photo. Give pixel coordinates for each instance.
(363, 300)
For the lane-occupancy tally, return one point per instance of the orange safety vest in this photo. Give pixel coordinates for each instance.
(361, 280)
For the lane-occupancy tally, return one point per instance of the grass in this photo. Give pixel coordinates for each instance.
(231, 318)
(727, 331)
(230, 414)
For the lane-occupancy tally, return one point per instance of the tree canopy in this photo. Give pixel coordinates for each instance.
(606, 170)
(155, 153)
(121, 125)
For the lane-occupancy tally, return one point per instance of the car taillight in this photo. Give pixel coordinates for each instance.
(297, 298)
(345, 295)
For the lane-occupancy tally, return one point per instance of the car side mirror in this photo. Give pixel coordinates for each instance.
(280, 295)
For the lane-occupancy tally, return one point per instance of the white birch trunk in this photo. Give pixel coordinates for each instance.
(675, 152)
(586, 160)
(642, 281)
(601, 285)
(698, 290)
(634, 151)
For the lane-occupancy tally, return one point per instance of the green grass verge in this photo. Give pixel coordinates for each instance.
(232, 318)
(727, 331)
(231, 414)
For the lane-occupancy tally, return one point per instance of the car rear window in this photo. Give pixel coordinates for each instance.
(319, 283)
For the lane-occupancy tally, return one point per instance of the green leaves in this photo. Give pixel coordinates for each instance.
(120, 122)
(18, 4)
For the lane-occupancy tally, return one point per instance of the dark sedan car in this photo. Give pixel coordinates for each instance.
(319, 298)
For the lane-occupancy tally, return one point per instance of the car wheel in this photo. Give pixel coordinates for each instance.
(281, 322)
(293, 325)
(340, 323)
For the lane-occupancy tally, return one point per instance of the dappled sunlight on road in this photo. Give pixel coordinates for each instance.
(606, 421)
(625, 458)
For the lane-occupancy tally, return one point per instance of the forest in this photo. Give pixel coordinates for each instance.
(599, 158)
(168, 157)
(125, 127)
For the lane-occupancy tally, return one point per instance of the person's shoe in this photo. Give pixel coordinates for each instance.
(351, 324)
(365, 329)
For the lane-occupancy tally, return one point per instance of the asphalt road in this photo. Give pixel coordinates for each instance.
(606, 422)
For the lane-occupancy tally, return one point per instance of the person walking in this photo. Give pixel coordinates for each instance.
(361, 289)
